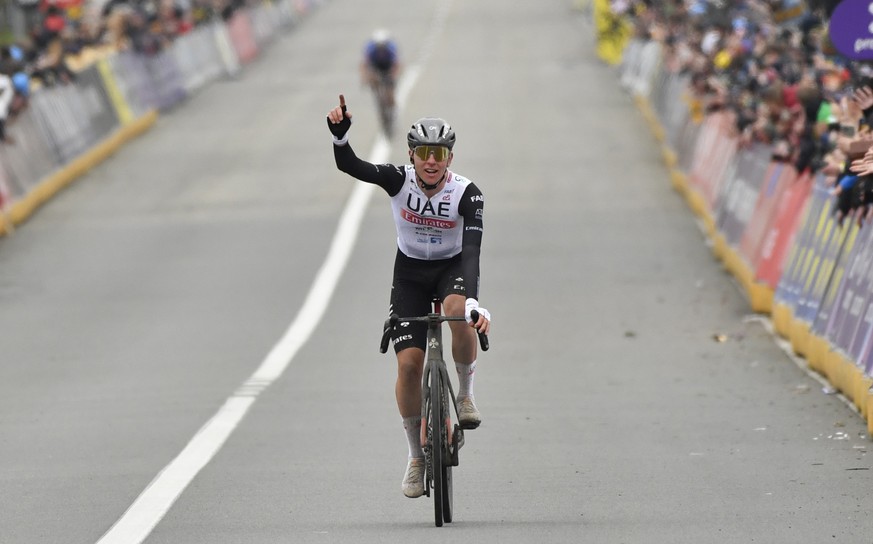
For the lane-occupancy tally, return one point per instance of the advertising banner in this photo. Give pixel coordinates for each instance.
(817, 212)
(850, 29)
(782, 230)
(708, 161)
(134, 82)
(847, 290)
(31, 158)
(776, 179)
(168, 84)
(197, 58)
(848, 266)
(674, 112)
(821, 268)
(854, 345)
(738, 202)
(97, 102)
(242, 37)
(113, 92)
(687, 142)
(65, 119)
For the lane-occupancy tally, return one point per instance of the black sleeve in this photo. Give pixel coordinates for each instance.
(386, 176)
(471, 207)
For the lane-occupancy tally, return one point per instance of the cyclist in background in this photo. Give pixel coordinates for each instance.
(438, 216)
(381, 66)
(381, 60)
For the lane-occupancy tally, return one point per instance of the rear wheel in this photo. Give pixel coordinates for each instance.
(386, 108)
(436, 445)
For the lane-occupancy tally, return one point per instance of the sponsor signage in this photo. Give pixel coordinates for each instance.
(851, 29)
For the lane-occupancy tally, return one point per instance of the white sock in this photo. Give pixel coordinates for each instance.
(465, 379)
(412, 426)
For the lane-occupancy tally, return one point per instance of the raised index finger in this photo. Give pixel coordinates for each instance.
(342, 102)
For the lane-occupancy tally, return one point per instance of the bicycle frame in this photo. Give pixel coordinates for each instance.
(434, 362)
(383, 89)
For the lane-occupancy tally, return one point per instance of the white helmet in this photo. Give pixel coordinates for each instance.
(381, 36)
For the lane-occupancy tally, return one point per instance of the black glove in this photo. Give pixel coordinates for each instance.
(339, 129)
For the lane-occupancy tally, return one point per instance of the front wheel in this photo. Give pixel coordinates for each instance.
(447, 493)
(436, 446)
(447, 457)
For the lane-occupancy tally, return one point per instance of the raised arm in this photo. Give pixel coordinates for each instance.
(387, 176)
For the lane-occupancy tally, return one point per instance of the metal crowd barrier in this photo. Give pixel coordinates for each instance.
(773, 228)
(66, 129)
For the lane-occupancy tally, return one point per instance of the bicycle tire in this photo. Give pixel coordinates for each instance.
(382, 91)
(386, 113)
(447, 493)
(436, 445)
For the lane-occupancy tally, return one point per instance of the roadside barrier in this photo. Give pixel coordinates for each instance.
(773, 228)
(68, 129)
(613, 32)
(242, 37)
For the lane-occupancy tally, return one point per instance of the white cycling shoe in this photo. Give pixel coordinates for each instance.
(468, 414)
(413, 480)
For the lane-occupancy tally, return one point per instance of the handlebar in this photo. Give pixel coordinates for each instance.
(390, 323)
(394, 319)
(483, 338)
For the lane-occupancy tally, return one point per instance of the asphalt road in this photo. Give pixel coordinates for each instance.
(136, 305)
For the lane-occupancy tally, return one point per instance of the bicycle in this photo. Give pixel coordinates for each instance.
(383, 89)
(440, 439)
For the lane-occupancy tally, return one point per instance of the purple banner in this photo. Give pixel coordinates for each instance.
(862, 330)
(135, 82)
(865, 354)
(810, 298)
(828, 317)
(169, 84)
(849, 309)
(851, 29)
(812, 240)
(825, 251)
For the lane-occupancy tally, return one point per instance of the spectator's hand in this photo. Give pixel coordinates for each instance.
(831, 168)
(863, 166)
(863, 97)
(852, 113)
(339, 120)
(484, 323)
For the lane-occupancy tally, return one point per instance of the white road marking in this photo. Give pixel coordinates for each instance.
(138, 521)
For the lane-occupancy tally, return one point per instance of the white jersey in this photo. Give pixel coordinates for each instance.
(432, 228)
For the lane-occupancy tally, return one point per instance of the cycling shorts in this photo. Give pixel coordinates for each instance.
(416, 283)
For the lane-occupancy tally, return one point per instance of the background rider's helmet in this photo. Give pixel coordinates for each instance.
(381, 37)
(431, 131)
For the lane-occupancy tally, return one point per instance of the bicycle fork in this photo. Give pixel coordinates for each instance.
(454, 433)
(454, 437)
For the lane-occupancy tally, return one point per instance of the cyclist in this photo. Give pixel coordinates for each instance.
(380, 63)
(438, 217)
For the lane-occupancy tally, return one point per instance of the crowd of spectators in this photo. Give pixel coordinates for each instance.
(62, 41)
(770, 66)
